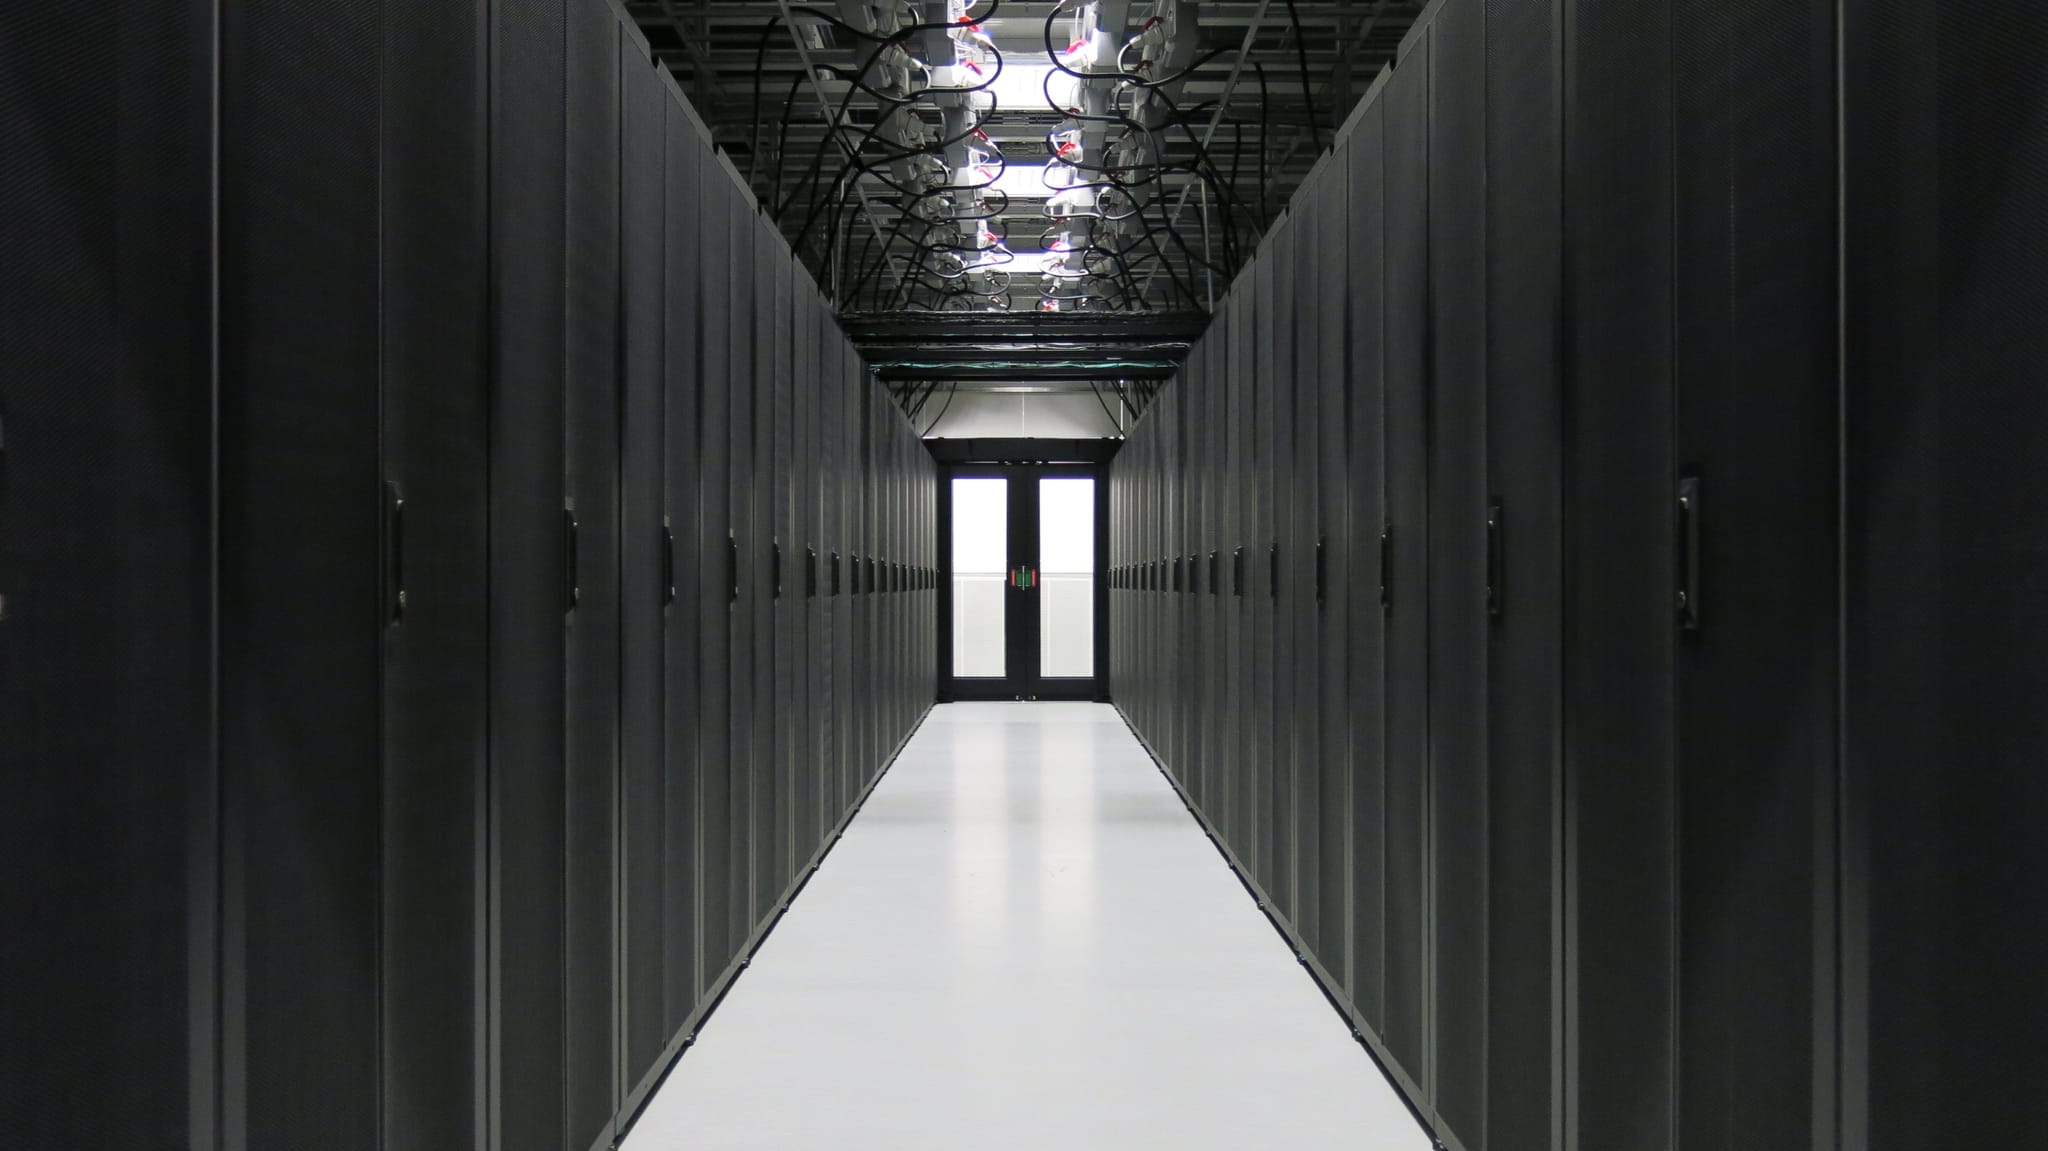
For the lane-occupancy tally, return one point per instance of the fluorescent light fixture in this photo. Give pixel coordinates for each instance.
(1020, 182)
(1020, 86)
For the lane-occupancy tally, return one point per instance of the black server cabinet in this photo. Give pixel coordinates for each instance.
(1300, 555)
(1212, 735)
(591, 394)
(721, 786)
(1755, 299)
(302, 590)
(434, 253)
(1331, 571)
(745, 547)
(1523, 391)
(1246, 802)
(1407, 361)
(768, 837)
(106, 589)
(1619, 633)
(812, 807)
(1365, 360)
(1458, 561)
(846, 635)
(1946, 163)
(530, 591)
(785, 593)
(1197, 389)
(649, 555)
(1283, 569)
(686, 800)
(1268, 844)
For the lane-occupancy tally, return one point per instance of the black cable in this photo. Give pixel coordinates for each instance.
(1307, 96)
(754, 140)
(942, 411)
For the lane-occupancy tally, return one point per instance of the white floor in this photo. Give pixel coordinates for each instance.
(1025, 941)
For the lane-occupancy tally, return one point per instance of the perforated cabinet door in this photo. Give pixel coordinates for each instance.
(1619, 638)
(1946, 167)
(300, 590)
(768, 835)
(746, 549)
(1524, 443)
(434, 255)
(1755, 301)
(688, 896)
(106, 588)
(1365, 670)
(1298, 653)
(1457, 538)
(1407, 387)
(721, 783)
(592, 401)
(648, 509)
(1332, 572)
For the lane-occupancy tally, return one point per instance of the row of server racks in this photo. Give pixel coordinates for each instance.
(1587, 577)
(458, 578)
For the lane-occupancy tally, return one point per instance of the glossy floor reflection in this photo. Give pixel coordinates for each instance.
(1025, 941)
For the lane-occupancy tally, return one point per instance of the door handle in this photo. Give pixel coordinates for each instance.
(1689, 553)
(1273, 571)
(1322, 568)
(394, 554)
(810, 573)
(1495, 562)
(775, 568)
(1387, 568)
(668, 561)
(1237, 573)
(1215, 573)
(732, 568)
(571, 561)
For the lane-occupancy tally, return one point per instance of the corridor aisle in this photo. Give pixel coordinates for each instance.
(1025, 941)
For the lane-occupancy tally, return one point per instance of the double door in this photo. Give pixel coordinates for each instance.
(1023, 609)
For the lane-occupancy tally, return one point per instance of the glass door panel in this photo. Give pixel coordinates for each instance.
(981, 561)
(1066, 575)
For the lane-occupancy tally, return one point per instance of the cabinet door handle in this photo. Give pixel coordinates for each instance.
(1322, 569)
(732, 568)
(1495, 562)
(1273, 572)
(1237, 572)
(1215, 573)
(394, 554)
(668, 562)
(1689, 553)
(1387, 568)
(775, 568)
(571, 561)
(810, 573)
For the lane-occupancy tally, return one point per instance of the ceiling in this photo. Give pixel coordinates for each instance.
(1266, 85)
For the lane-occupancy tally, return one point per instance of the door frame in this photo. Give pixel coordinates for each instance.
(1021, 627)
